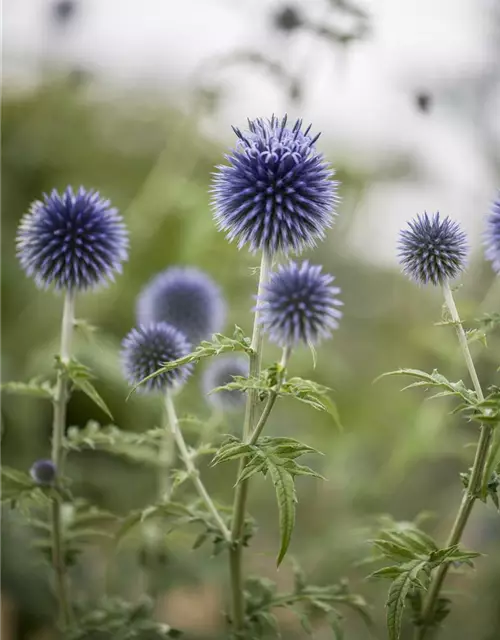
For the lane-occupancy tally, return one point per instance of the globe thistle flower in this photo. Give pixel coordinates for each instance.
(432, 249)
(186, 298)
(276, 194)
(299, 303)
(219, 373)
(147, 348)
(43, 472)
(72, 241)
(492, 235)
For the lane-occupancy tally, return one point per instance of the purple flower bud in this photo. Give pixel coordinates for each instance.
(43, 472)
(432, 249)
(299, 304)
(147, 348)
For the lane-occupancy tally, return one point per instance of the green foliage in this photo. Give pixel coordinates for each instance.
(35, 388)
(436, 380)
(276, 456)
(137, 447)
(414, 555)
(311, 393)
(81, 377)
(115, 619)
(206, 349)
(18, 487)
(83, 524)
(306, 600)
(176, 515)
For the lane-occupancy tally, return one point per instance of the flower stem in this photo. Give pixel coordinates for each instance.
(241, 493)
(475, 480)
(190, 467)
(59, 424)
(272, 398)
(165, 460)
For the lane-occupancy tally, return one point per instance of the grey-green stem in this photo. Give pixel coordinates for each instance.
(241, 493)
(59, 424)
(475, 480)
(272, 398)
(193, 473)
(165, 460)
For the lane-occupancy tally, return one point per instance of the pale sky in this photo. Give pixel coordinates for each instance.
(361, 99)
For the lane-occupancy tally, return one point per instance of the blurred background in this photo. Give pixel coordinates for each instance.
(137, 99)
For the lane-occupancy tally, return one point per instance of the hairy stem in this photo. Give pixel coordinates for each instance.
(59, 424)
(475, 481)
(190, 467)
(241, 493)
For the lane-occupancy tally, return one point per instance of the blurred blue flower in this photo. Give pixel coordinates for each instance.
(432, 249)
(492, 235)
(147, 348)
(299, 303)
(277, 193)
(43, 472)
(185, 298)
(220, 372)
(72, 241)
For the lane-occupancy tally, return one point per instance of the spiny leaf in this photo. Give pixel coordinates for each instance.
(452, 554)
(397, 596)
(286, 499)
(80, 376)
(34, 388)
(206, 349)
(434, 379)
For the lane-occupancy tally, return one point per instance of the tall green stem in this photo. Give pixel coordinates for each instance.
(165, 460)
(190, 467)
(272, 398)
(59, 424)
(475, 480)
(241, 493)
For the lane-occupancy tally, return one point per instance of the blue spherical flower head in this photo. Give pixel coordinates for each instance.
(147, 348)
(276, 194)
(72, 241)
(492, 235)
(185, 298)
(299, 304)
(219, 373)
(432, 249)
(43, 472)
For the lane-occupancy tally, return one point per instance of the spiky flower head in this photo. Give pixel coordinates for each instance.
(43, 472)
(73, 241)
(299, 304)
(186, 298)
(276, 193)
(432, 249)
(492, 235)
(147, 348)
(219, 373)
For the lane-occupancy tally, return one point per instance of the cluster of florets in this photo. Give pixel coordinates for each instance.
(434, 249)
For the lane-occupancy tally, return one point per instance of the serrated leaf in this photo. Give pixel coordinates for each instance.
(387, 572)
(452, 554)
(393, 550)
(397, 596)
(286, 499)
(34, 388)
(81, 376)
(231, 451)
(435, 379)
